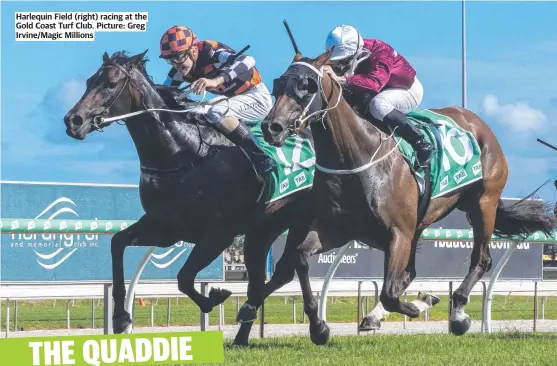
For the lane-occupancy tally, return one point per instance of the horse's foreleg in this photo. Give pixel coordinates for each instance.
(482, 218)
(316, 241)
(283, 274)
(202, 254)
(400, 271)
(318, 329)
(145, 232)
(423, 301)
(256, 247)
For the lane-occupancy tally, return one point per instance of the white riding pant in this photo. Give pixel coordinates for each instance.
(403, 100)
(253, 105)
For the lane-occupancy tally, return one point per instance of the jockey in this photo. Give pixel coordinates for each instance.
(372, 67)
(242, 93)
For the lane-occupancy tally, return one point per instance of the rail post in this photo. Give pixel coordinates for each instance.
(489, 296)
(328, 278)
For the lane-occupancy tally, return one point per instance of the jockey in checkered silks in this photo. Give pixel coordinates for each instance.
(241, 93)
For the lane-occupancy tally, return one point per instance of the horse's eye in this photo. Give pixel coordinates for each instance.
(112, 85)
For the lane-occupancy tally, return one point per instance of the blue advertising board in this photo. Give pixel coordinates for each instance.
(53, 258)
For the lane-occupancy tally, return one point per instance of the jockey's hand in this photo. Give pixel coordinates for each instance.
(339, 79)
(202, 84)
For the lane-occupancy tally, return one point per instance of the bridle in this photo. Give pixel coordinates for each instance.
(99, 122)
(301, 122)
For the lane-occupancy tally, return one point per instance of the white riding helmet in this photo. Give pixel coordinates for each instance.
(347, 41)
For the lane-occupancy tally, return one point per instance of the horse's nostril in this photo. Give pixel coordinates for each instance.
(77, 120)
(276, 128)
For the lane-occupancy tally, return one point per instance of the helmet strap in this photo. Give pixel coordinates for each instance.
(356, 59)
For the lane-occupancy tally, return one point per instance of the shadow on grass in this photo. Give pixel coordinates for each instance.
(258, 346)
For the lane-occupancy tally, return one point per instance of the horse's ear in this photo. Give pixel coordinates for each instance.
(106, 57)
(138, 58)
(323, 58)
(297, 57)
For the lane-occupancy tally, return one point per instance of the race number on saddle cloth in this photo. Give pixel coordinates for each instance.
(241, 93)
(295, 162)
(456, 161)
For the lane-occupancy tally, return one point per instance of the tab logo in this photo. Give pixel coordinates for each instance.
(444, 183)
(284, 185)
(477, 168)
(300, 179)
(460, 176)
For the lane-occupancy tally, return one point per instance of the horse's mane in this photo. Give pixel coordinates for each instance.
(172, 97)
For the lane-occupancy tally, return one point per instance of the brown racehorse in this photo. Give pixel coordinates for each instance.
(364, 190)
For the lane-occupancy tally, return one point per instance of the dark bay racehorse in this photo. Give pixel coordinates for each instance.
(364, 190)
(194, 186)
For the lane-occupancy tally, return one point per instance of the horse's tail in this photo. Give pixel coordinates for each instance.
(520, 220)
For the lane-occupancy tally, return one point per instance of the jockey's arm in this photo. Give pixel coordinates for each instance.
(378, 75)
(173, 78)
(241, 65)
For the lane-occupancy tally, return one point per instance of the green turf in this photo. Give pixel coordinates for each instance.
(421, 349)
(51, 314)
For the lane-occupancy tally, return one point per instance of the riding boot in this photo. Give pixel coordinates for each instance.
(424, 150)
(261, 162)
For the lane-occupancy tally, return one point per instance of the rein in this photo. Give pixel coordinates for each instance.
(302, 119)
(98, 121)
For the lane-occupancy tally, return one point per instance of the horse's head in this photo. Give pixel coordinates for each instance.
(299, 93)
(111, 91)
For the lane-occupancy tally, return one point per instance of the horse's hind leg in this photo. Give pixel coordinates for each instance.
(202, 254)
(482, 218)
(145, 232)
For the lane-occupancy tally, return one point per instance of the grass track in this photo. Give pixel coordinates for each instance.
(471, 349)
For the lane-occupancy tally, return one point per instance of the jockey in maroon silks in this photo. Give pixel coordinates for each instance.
(372, 68)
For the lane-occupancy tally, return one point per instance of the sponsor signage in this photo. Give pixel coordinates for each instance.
(447, 257)
(85, 256)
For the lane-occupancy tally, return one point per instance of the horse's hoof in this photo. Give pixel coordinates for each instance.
(369, 323)
(219, 295)
(206, 308)
(429, 299)
(320, 336)
(122, 324)
(247, 313)
(460, 327)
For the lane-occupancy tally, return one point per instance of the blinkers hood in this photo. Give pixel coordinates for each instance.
(301, 84)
